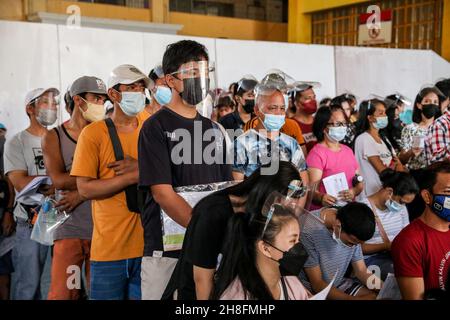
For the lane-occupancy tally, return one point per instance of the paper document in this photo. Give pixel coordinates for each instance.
(335, 184)
(390, 289)
(173, 233)
(322, 295)
(32, 187)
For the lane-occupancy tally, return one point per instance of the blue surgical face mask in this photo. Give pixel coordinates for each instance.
(132, 103)
(393, 206)
(337, 133)
(381, 123)
(163, 95)
(441, 206)
(273, 122)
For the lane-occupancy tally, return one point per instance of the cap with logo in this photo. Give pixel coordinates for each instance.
(36, 93)
(88, 84)
(128, 74)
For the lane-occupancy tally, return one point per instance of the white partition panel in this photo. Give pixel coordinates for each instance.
(236, 58)
(28, 60)
(382, 71)
(155, 45)
(96, 52)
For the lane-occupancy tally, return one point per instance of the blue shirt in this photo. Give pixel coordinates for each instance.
(325, 252)
(253, 150)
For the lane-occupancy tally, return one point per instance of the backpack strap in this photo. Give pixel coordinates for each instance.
(117, 147)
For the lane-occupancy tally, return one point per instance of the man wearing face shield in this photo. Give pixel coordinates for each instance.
(72, 240)
(24, 161)
(245, 100)
(172, 153)
(117, 240)
(265, 144)
(306, 106)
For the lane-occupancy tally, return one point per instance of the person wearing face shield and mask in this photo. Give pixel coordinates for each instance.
(108, 182)
(333, 238)
(290, 127)
(306, 106)
(262, 258)
(245, 99)
(72, 240)
(421, 251)
(265, 145)
(165, 163)
(24, 161)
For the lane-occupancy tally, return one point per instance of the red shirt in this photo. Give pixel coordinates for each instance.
(421, 251)
(308, 134)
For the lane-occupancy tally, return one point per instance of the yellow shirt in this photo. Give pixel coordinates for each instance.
(118, 233)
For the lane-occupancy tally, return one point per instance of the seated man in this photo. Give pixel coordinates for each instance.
(332, 247)
(265, 145)
(421, 251)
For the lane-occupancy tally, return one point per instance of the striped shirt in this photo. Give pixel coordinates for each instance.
(393, 223)
(437, 143)
(325, 252)
(253, 150)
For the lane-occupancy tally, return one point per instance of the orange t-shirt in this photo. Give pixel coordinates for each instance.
(290, 128)
(118, 232)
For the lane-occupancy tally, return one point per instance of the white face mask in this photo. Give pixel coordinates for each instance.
(337, 238)
(94, 112)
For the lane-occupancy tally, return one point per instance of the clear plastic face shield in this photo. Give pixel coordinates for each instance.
(198, 80)
(247, 83)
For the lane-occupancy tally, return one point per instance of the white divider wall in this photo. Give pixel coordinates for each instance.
(383, 71)
(236, 58)
(28, 60)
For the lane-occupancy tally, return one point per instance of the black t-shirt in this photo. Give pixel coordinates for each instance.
(158, 139)
(202, 243)
(232, 121)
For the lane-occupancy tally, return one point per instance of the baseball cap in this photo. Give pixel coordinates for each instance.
(36, 93)
(2, 126)
(88, 84)
(128, 74)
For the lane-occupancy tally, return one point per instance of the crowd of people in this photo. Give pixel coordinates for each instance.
(291, 194)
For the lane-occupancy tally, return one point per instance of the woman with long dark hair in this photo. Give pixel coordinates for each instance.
(373, 151)
(426, 110)
(194, 273)
(263, 258)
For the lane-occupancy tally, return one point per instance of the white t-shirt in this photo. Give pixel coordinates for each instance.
(365, 147)
(393, 223)
(23, 152)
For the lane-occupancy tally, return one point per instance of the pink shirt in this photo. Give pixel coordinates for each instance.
(332, 162)
(295, 290)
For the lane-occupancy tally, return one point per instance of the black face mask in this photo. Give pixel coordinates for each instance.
(430, 110)
(293, 260)
(249, 105)
(193, 91)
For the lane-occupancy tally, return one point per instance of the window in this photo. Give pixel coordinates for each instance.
(417, 24)
(125, 3)
(265, 10)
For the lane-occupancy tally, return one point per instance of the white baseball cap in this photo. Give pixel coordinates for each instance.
(36, 93)
(128, 74)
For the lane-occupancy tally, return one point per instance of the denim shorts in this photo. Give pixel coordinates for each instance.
(116, 280)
